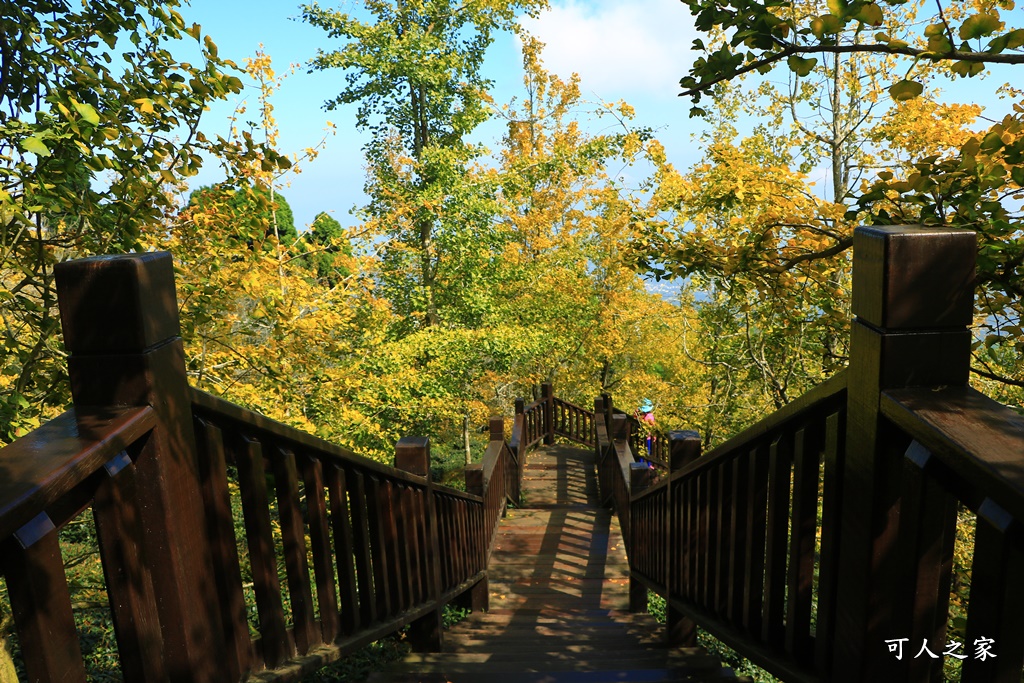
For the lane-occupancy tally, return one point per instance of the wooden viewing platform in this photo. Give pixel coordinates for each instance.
(559, 598)
(810, 543)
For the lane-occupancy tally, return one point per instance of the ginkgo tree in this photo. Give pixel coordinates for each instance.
(890, 150)
(100, 118)
(414, 74)
(965, 34)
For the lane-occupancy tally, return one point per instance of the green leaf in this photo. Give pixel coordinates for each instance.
(34, 144)
(984, 24)
(838, 7)
(827, 24)
(801, 66)
(86, 111)
(905, 90)
(870, 14)
(967, 69)
(1017, 173)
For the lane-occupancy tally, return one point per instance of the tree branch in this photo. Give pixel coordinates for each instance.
(877, 48)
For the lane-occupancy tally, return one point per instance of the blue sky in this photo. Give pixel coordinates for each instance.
(632, 50)
(635, 51)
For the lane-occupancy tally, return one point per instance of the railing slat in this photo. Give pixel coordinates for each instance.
(379, 546)
(296, 564)
(925, 562)
(404, 538)
(320, 545)
(359, 510)
(352, 598)
(802, 540)
(835, 431)
(997, 592)
(224, 547)
(780, 458)
(738, 538)
(129, 582)
(757, 522)
(252, 481)
(723, 523)
(41, 606)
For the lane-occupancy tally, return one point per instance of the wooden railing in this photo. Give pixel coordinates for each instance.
(331, 552)
(401, 545)
(573, 422)
(819, 543)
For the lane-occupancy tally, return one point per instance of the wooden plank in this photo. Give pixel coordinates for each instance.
(803, 533)
(128, 578)
(757, 526)
(48, 462)
(979, 440)
(831, 504)
(404, 534)
(41, 606)
(776, 541)
(345, 549)
(379, 547)
(997, 598)
(359, 509)
(723, 540)
(738, 533)
(320, 544)
(393, 541)
(927, 534)
(691, 544)
(224, 546)
(252, 481)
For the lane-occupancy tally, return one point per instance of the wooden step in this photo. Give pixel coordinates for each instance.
(559, 594)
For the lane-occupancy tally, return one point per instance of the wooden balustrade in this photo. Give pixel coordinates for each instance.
(820, 539)
(334, 551)
(811, 543)
(573, 422)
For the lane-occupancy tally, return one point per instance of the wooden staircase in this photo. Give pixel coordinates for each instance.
(559, 598)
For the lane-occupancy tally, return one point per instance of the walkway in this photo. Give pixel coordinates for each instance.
(559, 595)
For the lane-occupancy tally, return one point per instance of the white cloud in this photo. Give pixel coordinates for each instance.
(619, 49)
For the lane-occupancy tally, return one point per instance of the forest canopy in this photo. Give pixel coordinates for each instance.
(474, 272)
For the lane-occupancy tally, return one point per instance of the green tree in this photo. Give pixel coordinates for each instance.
(100, 123)
(415, 74)
(966, 34)
(325, 242)
(249, 210)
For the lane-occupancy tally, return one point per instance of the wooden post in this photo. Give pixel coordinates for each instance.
(609, 410)
(120, 321)
(640, 478)
(412, 455)
(620, 428)
(547, 393)
(913, 302)
(497, 428)
(683, 448)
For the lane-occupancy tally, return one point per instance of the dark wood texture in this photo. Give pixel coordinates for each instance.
(559, 590)
(41, 607)
(732, 539)
(896, 272)
(128, 577)
(119, 315)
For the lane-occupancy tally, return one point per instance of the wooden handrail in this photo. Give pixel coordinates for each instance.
(840, 509)
(51, 460)
(734, 540)
(977, 439)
